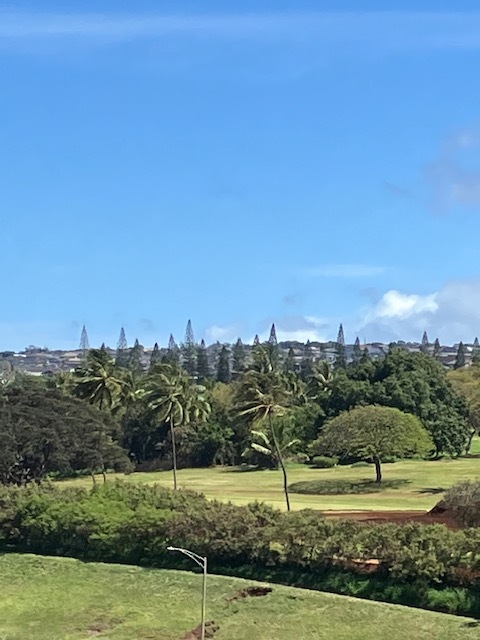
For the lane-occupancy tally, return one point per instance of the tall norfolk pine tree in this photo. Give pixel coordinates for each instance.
(341, 355)
(189, 351)
(223, 366)
(203, 368)
(425, 346)
(238, 353)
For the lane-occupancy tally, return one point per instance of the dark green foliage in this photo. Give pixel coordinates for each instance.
(412, 382)
(306, 365)
(134, 363)
(223, 366)
(172, 357)
(289, 364)
(417, 564)
(121, 359)
(189, 361)
(357, 351)
(203, 367)
(340, 352)
(463, 501)
(44, 431)
(238, 358)
(155, 357)
(425, 346)
(324, 462)
(343, 487)
(460, 359)
(373, 433)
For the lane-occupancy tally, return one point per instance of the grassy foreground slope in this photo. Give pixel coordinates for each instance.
(426, 480)
(64, 599)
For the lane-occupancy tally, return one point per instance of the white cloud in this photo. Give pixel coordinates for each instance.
(343, 271)
(397, 305)
(451, 314)
(349, 31)
(449, 181)
(300, 328)
(227, 333)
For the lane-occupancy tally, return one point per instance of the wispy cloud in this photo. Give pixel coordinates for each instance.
(450, 180)
(350, 30)
(343, 271)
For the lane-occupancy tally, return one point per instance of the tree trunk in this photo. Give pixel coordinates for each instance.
(174, 455)
(92, 473)
(280, 460)
(378, 469)
(104, 473)
(469, 444)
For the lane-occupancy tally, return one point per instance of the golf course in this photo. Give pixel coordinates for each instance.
(420, 484)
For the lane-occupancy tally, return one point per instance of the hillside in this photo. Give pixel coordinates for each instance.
(64, 599)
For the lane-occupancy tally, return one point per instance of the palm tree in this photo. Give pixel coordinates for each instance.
(174, 399)
(266, 446)
(320, 380)
(261, 397)
(104, 384)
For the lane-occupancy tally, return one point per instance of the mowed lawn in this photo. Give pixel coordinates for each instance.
(426, 480)
(64, 599)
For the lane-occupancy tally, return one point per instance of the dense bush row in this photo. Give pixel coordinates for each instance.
(135, 524)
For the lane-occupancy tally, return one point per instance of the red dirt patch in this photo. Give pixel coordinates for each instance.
(438, 515)
(210, 630)
(250, 592)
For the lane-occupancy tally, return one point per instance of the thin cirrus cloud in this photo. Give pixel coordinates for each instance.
(343, 271)
(350, 31)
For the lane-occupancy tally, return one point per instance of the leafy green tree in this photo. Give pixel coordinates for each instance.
(372, 433)
(223, 366)
(261, 397)
(203, 367)
(466, 382)
(238, 358)
(43, 430)
(460, 359)
(174, 399)
(412, 382)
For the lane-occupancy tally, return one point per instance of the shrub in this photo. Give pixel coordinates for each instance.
(361, 463)
(463, 501)
(324, 462)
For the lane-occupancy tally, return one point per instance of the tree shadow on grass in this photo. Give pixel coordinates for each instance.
(243, 468)
(431, 490)
(343, 487)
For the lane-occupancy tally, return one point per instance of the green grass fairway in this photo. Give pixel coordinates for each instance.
(426, 481)
(64, 599)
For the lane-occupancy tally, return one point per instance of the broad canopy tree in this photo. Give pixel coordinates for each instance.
(372, 433)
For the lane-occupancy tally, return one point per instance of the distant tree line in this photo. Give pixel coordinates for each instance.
(111, 413)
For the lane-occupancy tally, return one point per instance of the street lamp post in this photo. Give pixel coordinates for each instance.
(202, 562)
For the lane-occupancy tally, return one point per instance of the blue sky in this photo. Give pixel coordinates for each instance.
(238, 164)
